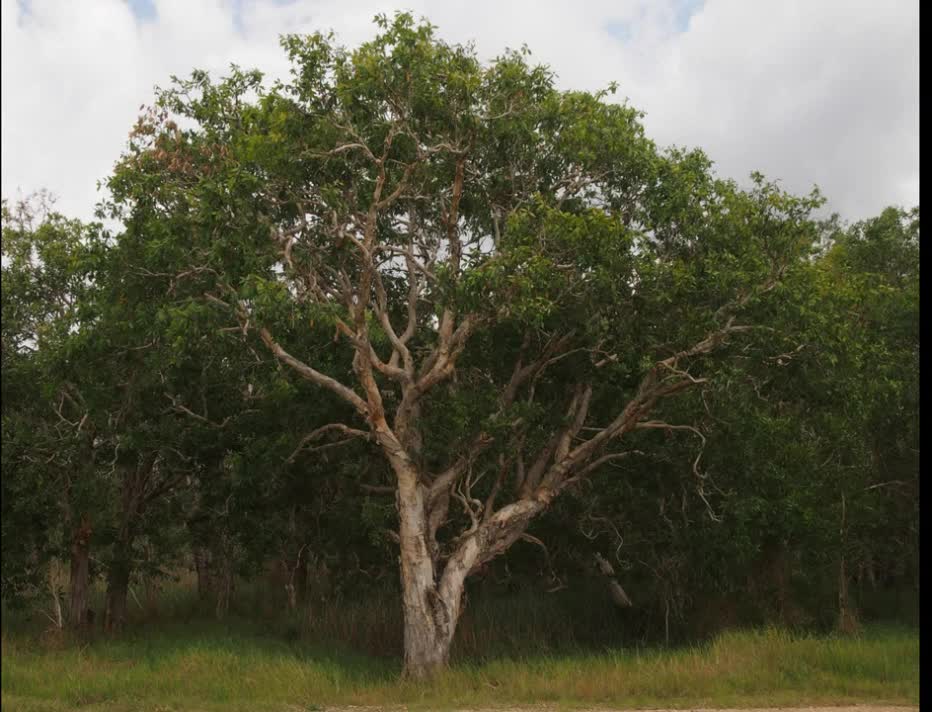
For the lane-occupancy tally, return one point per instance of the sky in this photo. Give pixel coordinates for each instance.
(810, 92)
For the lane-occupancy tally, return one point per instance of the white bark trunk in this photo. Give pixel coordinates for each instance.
(429, 621)
(433, 602)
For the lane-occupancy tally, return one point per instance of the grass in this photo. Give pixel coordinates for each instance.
(238, 666)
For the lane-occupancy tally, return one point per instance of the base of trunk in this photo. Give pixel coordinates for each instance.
(426, 663)
(428, 639)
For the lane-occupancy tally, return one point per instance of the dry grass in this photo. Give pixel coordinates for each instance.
(214, 666)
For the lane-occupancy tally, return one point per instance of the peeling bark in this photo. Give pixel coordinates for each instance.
(428, 628)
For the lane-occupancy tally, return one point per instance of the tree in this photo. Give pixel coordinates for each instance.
(810, 452)
(49, 478)
(871, 278)
(515, 278)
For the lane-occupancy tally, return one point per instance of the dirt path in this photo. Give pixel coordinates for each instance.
(848, 708)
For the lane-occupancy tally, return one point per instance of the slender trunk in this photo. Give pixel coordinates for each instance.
(847, 618)
(80, 568)
(117, 590)
(295, 570)
(134, 488)
(619, 597)
(223, 569)
(206, 585)
(152, 596)
(56, 600)
(224, 592)
(151, 587)
(782, 576)
(201, 531)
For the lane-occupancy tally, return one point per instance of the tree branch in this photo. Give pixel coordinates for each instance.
(313, 375)
(351, 433)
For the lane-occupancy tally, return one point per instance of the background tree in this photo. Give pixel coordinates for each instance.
(49, 477)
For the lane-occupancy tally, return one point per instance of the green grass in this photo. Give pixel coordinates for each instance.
(232, 666)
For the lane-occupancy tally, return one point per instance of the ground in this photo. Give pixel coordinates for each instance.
(855, 708)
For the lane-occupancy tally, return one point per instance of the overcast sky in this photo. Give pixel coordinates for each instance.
(808, 91)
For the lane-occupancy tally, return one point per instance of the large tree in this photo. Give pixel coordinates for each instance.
(516, 280)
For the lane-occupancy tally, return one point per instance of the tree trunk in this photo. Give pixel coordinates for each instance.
(80, 568)
(429, 620)
(117, 590)
(431, 614)
(56, 599)
(619, 597)
(847, 617)
(433, 601)
(151, 585)
(223, 571)
(135, 483)
(427, 646)
(205, 577)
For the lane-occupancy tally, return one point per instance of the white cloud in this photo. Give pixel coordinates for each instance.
(824, 92)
